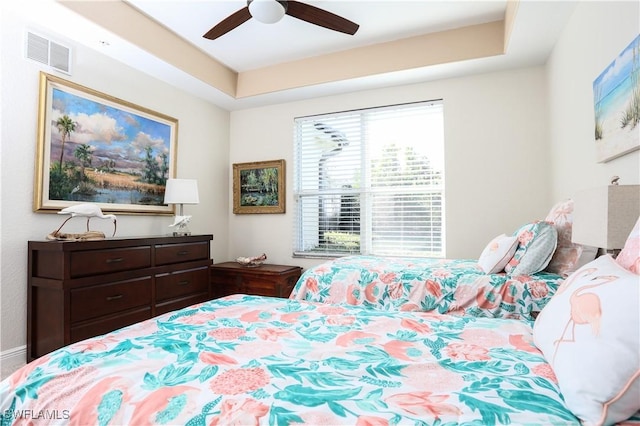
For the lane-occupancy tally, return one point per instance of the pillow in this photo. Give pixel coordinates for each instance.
(590, 334)
(497, 253)
(629, 256)
(537, 242)
(568, 256)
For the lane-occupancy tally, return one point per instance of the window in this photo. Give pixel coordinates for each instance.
(370, 181)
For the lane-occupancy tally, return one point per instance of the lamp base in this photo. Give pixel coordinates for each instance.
(181, 231)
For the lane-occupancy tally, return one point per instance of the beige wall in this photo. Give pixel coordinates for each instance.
(496, 176)
(595, 35)
(202, 154)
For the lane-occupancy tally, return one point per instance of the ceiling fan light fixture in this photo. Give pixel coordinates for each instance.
(267, 11)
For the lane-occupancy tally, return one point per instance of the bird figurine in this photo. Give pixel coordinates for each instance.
(180, 224)
(181, 221)
(88, 210)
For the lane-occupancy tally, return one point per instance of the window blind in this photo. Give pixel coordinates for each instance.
(370, 181)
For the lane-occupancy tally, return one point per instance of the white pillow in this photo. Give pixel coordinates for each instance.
(590, 334)
(497, 253)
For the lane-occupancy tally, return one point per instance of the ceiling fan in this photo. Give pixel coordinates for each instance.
(271, 11)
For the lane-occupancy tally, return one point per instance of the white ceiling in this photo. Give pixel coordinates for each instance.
(254, 45)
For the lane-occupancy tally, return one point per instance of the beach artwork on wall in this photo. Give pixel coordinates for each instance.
(616, 94)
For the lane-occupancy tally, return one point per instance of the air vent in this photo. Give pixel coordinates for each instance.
(48, 52)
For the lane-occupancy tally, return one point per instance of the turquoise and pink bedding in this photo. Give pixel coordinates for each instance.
(418, 284)
(251, 360)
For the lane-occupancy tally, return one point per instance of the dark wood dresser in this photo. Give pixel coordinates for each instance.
(264, 280)
(83, 289)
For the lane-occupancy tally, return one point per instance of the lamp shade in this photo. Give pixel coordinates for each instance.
(181, 191)
(603, 217)
(267, 11)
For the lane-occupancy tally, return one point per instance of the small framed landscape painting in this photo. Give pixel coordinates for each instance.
(95, 148)
(259, 187)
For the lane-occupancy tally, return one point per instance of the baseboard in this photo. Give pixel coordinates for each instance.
(11, 360)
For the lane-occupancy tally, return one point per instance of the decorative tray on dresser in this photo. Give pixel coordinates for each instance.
(264, 280)
(78, 290)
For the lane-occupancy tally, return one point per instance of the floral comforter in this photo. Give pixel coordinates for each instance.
(258, 360)
(417, 284)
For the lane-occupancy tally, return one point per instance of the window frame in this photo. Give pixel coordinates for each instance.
(365, 193)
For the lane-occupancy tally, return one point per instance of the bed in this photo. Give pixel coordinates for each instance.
(258, 360)
(454, 286)
(514, 277)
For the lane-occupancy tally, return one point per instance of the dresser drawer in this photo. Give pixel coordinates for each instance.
(96, 262)
(178, 253)
(96, 301)
(175, 304)
(182, 283)
(105, 325)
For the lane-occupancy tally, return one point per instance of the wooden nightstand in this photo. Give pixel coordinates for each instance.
(264, 280)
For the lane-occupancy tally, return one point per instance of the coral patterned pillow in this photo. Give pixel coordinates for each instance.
(568, 256)
(590, 334)
(497, 253)
(629, 257)
(537, 242)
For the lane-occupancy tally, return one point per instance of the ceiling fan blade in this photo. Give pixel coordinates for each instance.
(227, 24)
(317, 16)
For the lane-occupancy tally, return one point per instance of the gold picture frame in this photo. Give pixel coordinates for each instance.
(259, 187)
(95, 148)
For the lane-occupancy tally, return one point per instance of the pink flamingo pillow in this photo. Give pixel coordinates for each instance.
(629, 257)
(589, 333)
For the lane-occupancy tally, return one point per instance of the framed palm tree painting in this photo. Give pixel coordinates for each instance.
(96, 148)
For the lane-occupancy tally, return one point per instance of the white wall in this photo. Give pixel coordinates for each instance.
(516, 141)
(593, 38)
(496, 176)
(202, 154)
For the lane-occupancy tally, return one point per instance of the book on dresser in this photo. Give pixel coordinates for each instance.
(78, 290)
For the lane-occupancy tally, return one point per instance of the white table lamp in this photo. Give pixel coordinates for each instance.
(181, 192)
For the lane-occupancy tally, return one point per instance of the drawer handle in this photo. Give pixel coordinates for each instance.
(184, 282)
(116, 297)
(115, 260)
(183, 252)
